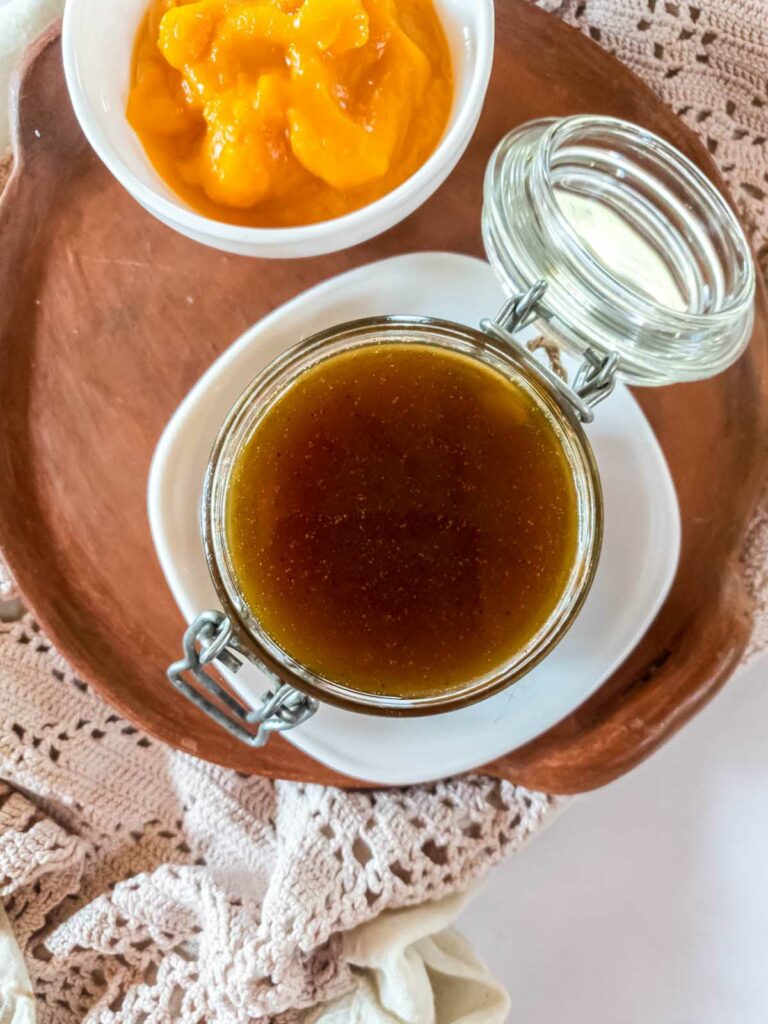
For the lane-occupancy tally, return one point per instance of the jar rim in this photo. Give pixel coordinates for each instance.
(261, 395)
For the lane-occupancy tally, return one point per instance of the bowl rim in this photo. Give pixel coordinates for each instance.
(175, 213)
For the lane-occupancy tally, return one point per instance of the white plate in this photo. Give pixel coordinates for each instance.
(638, 563)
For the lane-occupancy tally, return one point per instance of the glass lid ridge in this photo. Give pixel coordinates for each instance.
(641, 255)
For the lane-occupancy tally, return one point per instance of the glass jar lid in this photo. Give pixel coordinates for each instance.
(640, 253)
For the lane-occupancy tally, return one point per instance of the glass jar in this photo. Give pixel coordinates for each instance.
(619, 250)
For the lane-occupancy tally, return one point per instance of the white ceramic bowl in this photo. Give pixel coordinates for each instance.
(97, 40)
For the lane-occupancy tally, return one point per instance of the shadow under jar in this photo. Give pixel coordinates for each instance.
(403, 515)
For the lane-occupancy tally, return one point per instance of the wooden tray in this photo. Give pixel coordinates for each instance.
(107, 319)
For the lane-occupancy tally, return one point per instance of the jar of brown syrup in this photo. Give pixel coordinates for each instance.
(403, 515)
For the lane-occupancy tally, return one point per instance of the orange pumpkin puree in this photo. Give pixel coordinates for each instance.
(277, 113)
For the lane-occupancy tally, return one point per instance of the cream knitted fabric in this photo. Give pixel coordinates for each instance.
(147, 887)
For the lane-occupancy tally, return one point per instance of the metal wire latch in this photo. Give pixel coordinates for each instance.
(211, 638)
(595, 378)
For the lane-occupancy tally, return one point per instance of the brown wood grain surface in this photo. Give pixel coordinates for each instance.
(99, 342)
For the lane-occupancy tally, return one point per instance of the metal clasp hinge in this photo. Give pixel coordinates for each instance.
(595, 378)
(210, 638)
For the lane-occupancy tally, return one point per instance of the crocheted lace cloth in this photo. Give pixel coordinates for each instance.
(145, 886)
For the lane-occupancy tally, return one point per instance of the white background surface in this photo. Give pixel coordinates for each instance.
(647, 901)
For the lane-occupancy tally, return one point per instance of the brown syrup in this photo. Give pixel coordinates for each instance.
(403, 519)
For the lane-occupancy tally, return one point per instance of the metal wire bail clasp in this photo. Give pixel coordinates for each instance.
(211, 638)
(595, 378)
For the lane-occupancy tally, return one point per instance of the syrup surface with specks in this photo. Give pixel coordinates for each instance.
(403, 519)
